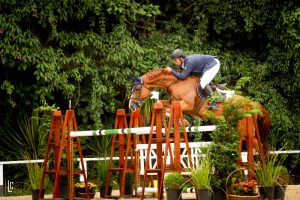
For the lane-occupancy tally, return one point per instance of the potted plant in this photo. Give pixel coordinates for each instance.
(63, 184)
(129, 183)
(101, 147)
(80, 190)
(267, 172)
(35, 173)
(102, 170)
(173, 183)
(201, 179)
(283, 180)
(239, 187)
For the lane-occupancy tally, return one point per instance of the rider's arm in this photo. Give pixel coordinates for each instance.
(188, 69)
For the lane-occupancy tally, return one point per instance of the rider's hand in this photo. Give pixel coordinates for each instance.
(169, 69)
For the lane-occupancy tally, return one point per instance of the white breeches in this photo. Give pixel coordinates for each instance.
(209, 74)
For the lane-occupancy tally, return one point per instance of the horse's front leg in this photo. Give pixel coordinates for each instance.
(167, 106)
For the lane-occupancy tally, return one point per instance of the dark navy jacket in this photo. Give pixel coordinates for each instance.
(197, 64)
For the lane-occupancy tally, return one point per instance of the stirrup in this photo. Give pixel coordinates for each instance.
(213, 106)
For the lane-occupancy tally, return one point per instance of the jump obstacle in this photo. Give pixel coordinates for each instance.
(138, 131)
(155, 129)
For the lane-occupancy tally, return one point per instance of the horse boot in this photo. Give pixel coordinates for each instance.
(208, 92)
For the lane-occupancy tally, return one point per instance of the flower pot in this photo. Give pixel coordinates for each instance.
(35, 194)
(84, 195)
(279, 192)
(174, 194)
(266, 192)
(239, 197)
(204, 194)
(102, 191)
(63, 191)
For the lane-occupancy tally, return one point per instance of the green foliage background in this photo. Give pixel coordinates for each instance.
(55, 51)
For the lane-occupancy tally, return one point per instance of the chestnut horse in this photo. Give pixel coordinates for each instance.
(191, 104)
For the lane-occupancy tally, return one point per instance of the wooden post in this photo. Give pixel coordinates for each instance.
(119, 141)
(157, 137)
(63, 141)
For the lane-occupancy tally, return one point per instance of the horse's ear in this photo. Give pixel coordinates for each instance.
(135, 78)
(132, 77)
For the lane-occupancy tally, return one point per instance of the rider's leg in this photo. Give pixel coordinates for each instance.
(208, 92)
(206, 79)
(208, 75)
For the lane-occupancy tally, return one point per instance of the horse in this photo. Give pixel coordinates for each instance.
(185, 91)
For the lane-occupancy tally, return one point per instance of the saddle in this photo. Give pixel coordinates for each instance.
(213, 86)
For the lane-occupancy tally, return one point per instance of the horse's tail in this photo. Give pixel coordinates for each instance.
(264, 126)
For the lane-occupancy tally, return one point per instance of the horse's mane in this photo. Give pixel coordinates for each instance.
(162, 72)
(155, 73)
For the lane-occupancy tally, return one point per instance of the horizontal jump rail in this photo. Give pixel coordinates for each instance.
(138, 131)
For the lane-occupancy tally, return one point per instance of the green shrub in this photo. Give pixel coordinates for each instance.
(174, 180)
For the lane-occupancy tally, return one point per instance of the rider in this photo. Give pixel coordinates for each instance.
(206, 66)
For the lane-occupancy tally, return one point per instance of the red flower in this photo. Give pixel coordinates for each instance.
(238, 186)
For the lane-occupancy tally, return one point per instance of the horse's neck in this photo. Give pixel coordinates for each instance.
(159, 80)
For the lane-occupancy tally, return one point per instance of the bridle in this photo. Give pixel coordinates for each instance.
(138, 101)
(139, 82)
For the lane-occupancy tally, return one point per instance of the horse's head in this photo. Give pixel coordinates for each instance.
(139, 93)
(142, 86)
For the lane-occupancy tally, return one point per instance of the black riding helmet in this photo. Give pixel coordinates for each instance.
(177, 53)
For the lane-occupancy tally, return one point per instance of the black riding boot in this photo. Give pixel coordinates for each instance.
(208, 91)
